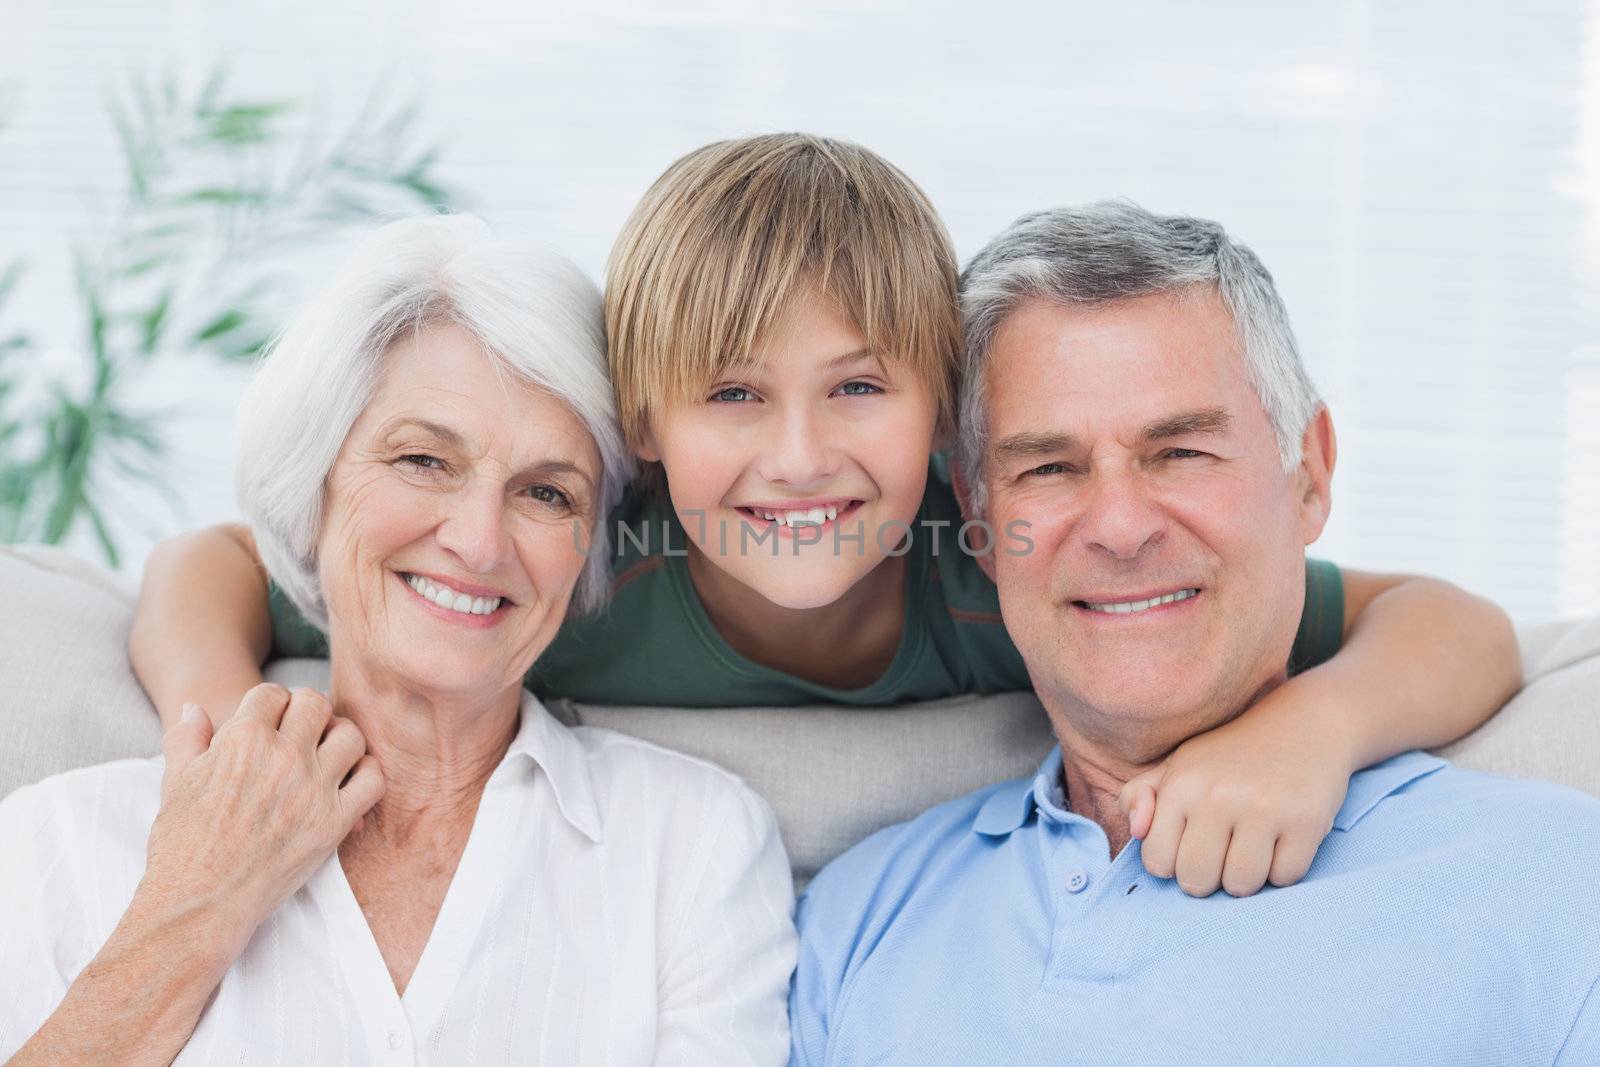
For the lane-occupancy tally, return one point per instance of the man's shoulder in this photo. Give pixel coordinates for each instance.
(895, 862)
(1451, 817)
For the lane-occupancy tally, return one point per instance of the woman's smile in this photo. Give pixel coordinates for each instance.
(481, 613)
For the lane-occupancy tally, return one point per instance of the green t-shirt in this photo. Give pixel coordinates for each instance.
(655, 645)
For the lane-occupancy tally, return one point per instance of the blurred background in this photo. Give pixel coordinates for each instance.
(1423, 178)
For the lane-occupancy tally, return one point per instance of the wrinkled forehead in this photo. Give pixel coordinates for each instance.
(1113, 369)
(439, 384)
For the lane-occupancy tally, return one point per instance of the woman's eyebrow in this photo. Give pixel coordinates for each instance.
(437, 429)
(556, 466)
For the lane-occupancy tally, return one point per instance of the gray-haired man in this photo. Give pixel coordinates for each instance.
(1135, 396)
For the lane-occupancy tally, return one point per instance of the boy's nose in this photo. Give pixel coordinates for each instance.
(800, 453)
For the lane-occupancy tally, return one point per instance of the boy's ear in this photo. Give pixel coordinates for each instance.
(645, 448)
(1319, 448)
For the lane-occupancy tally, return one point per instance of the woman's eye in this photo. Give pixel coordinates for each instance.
(859, 389)
(549, 494)
(732, 394)
(424, 461)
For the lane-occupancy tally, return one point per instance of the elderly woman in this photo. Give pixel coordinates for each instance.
(424, 866)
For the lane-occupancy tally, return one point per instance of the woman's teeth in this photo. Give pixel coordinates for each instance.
(813, 517)
(449, 598)
(1130, 606)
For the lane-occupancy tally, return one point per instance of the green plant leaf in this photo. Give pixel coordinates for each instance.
(225, 323)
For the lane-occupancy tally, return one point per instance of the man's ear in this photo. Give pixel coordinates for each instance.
(1314, 479)
(978, 540)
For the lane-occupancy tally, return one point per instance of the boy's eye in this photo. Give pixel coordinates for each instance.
(859, 389)
(732, 394)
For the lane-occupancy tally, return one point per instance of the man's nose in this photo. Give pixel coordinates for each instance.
(1120, 518)
(801, 450)
(475, 531)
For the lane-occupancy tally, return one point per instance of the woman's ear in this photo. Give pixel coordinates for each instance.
(1318, 450)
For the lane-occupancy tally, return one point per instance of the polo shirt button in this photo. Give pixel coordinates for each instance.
(394, 1039)
(1076, 881)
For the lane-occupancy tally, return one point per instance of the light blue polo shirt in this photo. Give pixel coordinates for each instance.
(1449, 918)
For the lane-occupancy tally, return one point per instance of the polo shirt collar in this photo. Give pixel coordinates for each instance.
(1373, 786)
(1011, 805)
(550, 746)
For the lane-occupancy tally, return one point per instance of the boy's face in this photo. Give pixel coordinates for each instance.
(797, 474)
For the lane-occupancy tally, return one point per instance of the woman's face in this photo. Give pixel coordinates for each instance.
(455, 521)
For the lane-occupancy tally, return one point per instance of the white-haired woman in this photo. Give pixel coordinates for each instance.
(428, 868)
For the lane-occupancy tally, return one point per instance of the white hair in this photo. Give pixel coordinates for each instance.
(533, 311)
(1113, 250)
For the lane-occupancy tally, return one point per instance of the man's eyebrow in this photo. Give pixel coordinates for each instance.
(1206, 420)
(1035, 444)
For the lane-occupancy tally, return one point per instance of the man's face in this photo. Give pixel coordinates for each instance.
(1130, 439)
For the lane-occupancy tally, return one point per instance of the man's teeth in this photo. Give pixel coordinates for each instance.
(449, 598)
(1131, 606)
(813, 517)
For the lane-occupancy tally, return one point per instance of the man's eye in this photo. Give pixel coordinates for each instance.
(1183, 453)
(424, 461)
(733, 394)
(1044, 469)
(859, 389)
(549, 494)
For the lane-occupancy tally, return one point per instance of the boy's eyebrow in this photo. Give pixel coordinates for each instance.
(848, 358)
(1204, 420)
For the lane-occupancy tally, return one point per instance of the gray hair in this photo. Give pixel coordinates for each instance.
(1109, 251)
(533, 311)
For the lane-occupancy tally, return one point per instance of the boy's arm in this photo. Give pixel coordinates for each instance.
(201, 629)
(1422, 664)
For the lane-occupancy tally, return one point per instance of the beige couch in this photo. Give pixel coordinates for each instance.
(68, 698)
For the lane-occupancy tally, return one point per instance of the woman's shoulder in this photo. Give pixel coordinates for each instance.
(622, 761)
(105, 800)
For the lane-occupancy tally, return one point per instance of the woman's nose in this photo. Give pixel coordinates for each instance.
(474, 530)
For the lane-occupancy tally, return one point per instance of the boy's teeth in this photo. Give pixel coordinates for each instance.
(1133, 606)
(812, 517)
(449, 598)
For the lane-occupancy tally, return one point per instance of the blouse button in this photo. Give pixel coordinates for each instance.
(394, 1039)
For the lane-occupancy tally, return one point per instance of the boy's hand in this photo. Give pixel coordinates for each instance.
(1248, 802)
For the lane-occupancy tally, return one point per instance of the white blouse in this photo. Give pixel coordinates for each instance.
(617, 903)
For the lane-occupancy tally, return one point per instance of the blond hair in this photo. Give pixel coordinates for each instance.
(722, 243)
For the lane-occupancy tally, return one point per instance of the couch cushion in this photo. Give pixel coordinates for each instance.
(833, 774)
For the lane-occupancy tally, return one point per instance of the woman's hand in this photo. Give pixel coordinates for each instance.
(247, 814)
(1248, 802)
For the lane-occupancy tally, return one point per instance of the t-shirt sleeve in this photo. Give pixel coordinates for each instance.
(1321, 630)
(293, 635)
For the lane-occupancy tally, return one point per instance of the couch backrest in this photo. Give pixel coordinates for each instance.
(832, 774)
